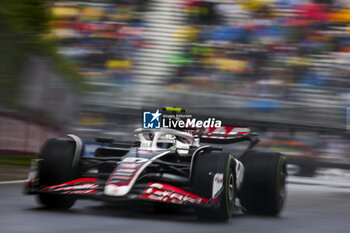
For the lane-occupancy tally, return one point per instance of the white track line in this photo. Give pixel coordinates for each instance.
(12, 181)
(314, 181)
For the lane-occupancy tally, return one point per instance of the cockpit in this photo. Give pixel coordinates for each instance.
(165, 138)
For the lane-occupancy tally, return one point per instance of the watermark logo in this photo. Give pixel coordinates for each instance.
(152, 120)
(175, 120)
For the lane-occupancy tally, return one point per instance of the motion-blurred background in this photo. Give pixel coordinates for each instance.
(90, 66)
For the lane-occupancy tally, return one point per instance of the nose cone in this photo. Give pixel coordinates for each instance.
(115, 190)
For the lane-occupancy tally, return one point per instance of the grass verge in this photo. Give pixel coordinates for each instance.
(23, 160)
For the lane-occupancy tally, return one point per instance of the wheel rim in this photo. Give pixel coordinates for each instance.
(282, 192)
(230, 187)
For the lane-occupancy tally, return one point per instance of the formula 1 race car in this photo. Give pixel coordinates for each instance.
(165, 166)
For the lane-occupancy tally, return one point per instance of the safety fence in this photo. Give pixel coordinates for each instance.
(21, 135)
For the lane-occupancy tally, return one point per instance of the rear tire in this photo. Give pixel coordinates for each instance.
(263, 189)
(205, 167)
(56, 167)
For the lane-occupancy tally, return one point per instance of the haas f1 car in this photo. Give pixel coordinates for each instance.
(165, 166)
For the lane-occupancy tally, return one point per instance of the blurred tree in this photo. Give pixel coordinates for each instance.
(22, 24)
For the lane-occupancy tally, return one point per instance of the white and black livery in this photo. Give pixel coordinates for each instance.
(165, 166)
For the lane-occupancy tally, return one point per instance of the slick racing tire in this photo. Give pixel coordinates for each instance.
(263, 189)
(206, 168)
(56, 167)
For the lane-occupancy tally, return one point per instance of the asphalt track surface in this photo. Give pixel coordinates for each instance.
(309, 209)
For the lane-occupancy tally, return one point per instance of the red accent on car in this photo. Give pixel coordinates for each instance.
(172, 194)
(81, 192)
(223, 130)
(81, 180)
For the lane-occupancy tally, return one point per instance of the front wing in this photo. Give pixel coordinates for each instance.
(91, 188)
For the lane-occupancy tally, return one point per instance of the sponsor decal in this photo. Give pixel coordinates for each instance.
(135, 160)
(171, 194)
(126, 170)
(217, 184)
(129, 165)
(123, 173)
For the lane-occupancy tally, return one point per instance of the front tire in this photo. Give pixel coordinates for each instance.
(56, 167)
(204, 169)
(263, 190)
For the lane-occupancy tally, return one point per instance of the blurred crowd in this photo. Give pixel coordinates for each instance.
(276, 49)
(99, 36)
(281, 50)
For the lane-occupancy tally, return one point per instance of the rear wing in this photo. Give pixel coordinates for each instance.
(226, 135)
(218, 135)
